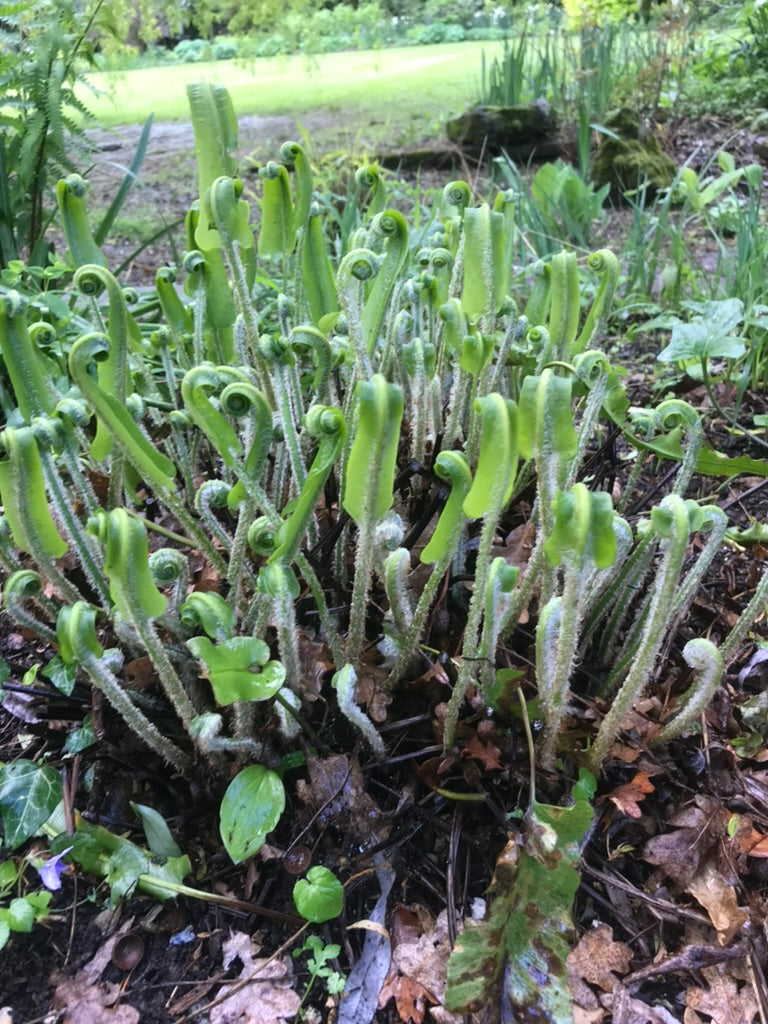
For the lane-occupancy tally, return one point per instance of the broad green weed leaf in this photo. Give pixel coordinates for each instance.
(20, 915)
(29, 794)
(8, 875)
(237, 669)
(159, 838)
(517, 956)
(130, 867)
(707, 335)
(251, 808)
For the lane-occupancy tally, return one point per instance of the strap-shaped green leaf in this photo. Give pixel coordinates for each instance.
(215, 127)
(23, 494)
(70, 194)
(583, 529)
(31, 388)
(176, 315)
(497, 461)
(476, 352)
(564, 304)
(197, 384)
(210, 611)
(484, 262)
(606, 266)
(112, 370)
(392, 226)
(223, 216)
(276, 235)
(292, 153)
(317, 277)
(370, 470)
(545, 424)
(329, 427)
(151, 464)
(453, 467)
(76, 632)
(126, 563)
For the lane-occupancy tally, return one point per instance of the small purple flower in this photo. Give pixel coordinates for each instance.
(50, 870)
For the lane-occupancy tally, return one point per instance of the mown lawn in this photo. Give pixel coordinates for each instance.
(423, 81)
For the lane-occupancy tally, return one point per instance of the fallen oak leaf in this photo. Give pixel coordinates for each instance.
(263, 993)
(627, 797)
(486, 753)
(596, 960)
(722, 1000)
(411, 998)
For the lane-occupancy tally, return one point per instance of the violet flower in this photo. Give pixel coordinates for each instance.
(50, 870)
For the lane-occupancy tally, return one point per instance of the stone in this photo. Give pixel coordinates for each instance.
(525, 132)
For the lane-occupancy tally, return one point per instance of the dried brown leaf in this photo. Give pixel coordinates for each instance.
(628, 1010)
(698, 827)
(86, 1000)
(372, 691)
(267, 997)
(315, 662)
(336, 793)
(486, 753)
(627, 797)
(583, 1016)
(723, 1000)
(141, 673)
(718, 898)
(421, 957)
(596, 960)
(411, 998)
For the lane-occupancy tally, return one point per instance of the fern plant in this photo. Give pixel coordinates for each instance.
(45, 51)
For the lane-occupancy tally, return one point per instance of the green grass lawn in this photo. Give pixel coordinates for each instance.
(423, 81)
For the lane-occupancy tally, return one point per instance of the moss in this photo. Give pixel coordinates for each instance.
(633, 158)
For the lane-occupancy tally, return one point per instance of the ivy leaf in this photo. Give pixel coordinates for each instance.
(251, 808)
(61, 674)
(81, 738)
(517, 956)
(29, 794)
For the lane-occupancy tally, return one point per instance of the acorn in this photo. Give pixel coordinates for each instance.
(128, 951)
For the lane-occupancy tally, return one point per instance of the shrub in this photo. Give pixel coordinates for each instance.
(271, 46)
(438, 32)
(224, 50)
(192, 51)
(491, 33)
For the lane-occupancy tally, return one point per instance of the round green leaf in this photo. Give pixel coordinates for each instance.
(319, 896)
(251, 808)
